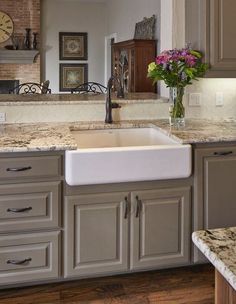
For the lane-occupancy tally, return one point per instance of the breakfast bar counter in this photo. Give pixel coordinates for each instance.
(219, 246)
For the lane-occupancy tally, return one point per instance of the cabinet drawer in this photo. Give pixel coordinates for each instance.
(44, 166)
(29, 206)
(29, 257)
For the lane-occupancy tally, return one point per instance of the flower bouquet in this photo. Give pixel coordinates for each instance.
(177, 68)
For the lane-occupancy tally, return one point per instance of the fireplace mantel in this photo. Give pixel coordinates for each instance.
(18, 56)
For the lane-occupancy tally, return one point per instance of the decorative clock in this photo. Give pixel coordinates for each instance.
(6, 27)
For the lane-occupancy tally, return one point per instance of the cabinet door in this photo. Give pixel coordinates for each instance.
(30, 206)
(214, 189)
(96, 234)
(222, 35)
(219, 191)
(160, 228)
(210, 27)
(29, 257)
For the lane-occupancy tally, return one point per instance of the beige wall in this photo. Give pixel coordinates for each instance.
(123, 14)
(73, 16)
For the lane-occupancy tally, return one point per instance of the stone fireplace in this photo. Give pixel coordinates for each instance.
(25, 14)
(7, 85)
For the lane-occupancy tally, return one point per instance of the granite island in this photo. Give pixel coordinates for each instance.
(219, 246)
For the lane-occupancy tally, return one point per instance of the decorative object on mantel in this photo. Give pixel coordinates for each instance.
(72, 75)
(177, 68)
(35, 42)
(6, 27)
(146, 28)
(17, 42)
(27, 39)
(73, 46)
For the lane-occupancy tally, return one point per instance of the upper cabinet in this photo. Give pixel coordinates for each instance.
(130, 61)
(210, 28)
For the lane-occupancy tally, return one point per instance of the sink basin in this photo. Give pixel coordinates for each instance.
(125, 155)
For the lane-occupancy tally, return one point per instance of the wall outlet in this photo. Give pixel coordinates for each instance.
(195, 99)
(2, 117)
(219, 99)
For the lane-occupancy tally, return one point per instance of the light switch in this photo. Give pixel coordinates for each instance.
(219, 99)
(195, 99)
(2, 117)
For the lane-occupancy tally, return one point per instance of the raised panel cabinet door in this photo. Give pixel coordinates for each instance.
(30, 167)
(29, 257)
(214, 194)
(160, 228)
(219, 191)
(222, 34)
(30, 206)
(96, 234)
(210, 28)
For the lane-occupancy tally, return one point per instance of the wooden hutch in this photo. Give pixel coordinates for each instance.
(130, 61)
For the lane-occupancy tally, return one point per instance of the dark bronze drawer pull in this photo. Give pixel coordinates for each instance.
(126, 208)
(138, 206)
(18, 210)
(223, 153)
(19, 169)
(19, 262)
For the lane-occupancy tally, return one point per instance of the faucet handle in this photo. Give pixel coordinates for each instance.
(115, 105)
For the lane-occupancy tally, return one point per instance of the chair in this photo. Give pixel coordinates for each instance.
(31, 88)
(90, 87)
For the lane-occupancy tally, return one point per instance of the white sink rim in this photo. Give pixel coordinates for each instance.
(122, 138)
(90, 166)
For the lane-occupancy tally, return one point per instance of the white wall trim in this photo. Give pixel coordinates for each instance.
(178, 24)
(172, 29)
(166, 35)
(107, 38)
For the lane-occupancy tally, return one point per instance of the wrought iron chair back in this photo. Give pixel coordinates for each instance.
(89, 88)
(31, 88)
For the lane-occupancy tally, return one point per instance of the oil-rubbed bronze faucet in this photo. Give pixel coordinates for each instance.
(109, 104)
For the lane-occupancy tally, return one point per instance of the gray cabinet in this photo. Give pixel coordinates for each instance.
(96, 234)
(30, 200)
(215, 191)
(30, 206)
(210, 27)
(160, 228)
(98, 239)
(29, 257)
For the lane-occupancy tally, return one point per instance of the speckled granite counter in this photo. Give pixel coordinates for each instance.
(59, 99)
(56, 136)
(219, 246)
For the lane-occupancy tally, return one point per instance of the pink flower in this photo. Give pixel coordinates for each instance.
(190, 60)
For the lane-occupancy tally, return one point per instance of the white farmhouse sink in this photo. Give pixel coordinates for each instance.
(125, 155)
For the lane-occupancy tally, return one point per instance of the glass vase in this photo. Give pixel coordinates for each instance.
(177, 111)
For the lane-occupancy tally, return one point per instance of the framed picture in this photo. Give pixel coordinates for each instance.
(72, 75)
(73, 46)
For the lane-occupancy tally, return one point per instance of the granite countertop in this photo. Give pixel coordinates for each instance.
(57, 136)
(59, 99)
(219, 246)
